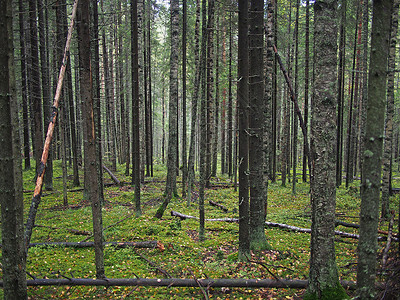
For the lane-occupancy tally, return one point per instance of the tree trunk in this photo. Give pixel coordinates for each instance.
(230, 104)
(90, 161)
(35, 92)
(243, 105)
(306, 84)
(136, 155)
(184, 130)
(340, 94)
(258, 110)
(195, 98)
(11, 197)
(324, 277)
(388, 148)
(24, 87)
(203, 121)
(170, 188)
(371, 179)
(296, 91)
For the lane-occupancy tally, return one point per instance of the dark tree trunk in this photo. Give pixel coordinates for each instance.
(48, 178)
(184, 130)
(203, 122)
(35, 92)
(24, 87)
(243, 104)
(306, 84)
(135, 105)
(11, 197)
(90, 160)
(96, 95)
(371, 179)
(296, 91)
(340, 94)
(230, 104)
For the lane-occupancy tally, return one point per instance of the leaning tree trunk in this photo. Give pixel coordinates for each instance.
(324, 277)
(371, 177)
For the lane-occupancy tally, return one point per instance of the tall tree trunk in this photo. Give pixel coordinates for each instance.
(24, 87)
(243, 104)
(324, 277)
(195, 98)
(184, 130)
(230, 104)
(306, 84)
(210, 87)
(170, 188)
(203, 121)
(296, 91)
(11, 197)
(223, 106)
(258, 111)
(48, 178)
(96, 95)
(214, 149)
(388, 145)
(91, 163)
(136, 154)
(371, 179)
(36, 92)
(351, 113)
(340, 94)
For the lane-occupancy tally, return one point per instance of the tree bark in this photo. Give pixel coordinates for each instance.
(371, 179)
(136, 155)
(90, 161)
(11, 197)
(258, 110)
(388, 142)
(243, 104)
(324, 277)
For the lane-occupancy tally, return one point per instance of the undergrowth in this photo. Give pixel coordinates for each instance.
(181, 254)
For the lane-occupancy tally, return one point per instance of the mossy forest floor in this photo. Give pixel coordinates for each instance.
(182, 256)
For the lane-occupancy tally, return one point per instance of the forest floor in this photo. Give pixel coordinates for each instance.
(179, 252)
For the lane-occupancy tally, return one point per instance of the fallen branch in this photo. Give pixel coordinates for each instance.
(213, 203)
(353, 225)
(272, 224)
(178, 282)
(112, 175)
(166, 274)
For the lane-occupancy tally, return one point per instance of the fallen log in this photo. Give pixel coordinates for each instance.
(279, 225)
(179, 282)
(353, 225)
(115, 179)
(213, 203)
(183, 217)
(147, 244)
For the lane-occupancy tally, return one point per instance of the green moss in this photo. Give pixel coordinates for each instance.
(336, 293)
(260, 244)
